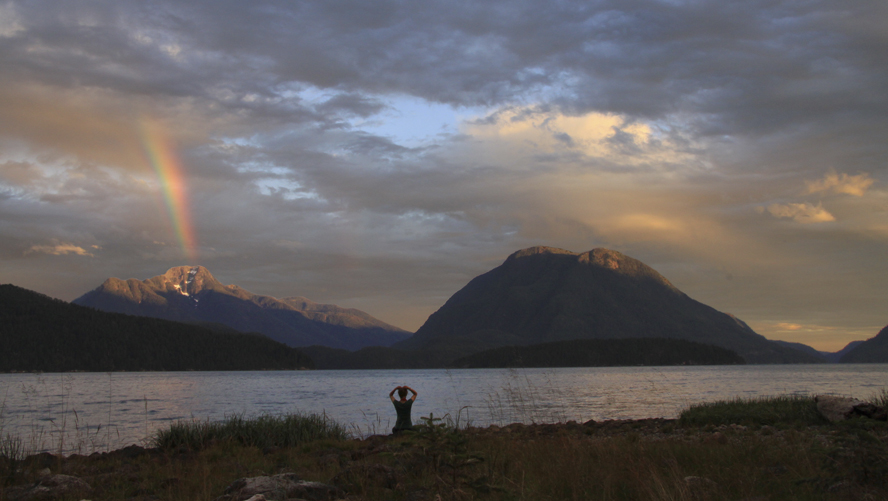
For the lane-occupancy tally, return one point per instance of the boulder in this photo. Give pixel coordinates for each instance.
(871, 411)
(315, 491)
(43, 460)
(842, 408)
(716, 438)
(132, 452)
(279, 488)
(49, 487)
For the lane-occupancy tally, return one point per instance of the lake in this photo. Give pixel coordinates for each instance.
(85, 412)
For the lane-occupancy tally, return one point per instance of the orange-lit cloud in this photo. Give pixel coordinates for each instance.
(59, 249)
(829, 338)
(790, 326)
(594, 135)
(804, 213)
(68, 125)
(841, 183)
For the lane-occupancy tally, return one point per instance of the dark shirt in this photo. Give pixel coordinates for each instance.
(403, 409)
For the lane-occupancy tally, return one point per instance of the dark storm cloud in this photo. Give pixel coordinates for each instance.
(745, 69)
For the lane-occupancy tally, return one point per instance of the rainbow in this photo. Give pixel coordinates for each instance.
(162, 157)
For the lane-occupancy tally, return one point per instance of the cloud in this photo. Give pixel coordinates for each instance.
(790, 326)
(351, 104)
(610, 141)
(60, 249)
(801, 212)
(19, 174)
(828, 338)
(10, 24)
(841, 183)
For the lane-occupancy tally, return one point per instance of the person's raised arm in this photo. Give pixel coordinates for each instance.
(392, 394)
(413, 391)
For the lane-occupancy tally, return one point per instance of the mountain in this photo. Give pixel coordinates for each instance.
(827, 356)
(873, 350)
(810, 350)
(38, 333)
(192, 294)
(543, 294)
(601, 353)
(837, 356)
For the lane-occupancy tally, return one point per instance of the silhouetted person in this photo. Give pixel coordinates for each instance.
(402, 407)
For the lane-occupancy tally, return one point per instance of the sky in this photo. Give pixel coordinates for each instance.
(379, 155)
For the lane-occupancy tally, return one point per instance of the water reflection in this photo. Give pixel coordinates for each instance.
(84, 412)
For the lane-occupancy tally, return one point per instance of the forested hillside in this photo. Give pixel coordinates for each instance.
(602, 353)
(871, 351)
(573, 353)
(38, 333)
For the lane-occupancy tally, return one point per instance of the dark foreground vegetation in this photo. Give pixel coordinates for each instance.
(38, 333)
(768, 449)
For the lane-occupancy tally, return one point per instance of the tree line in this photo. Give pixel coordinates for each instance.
(603, 353)
(39, 333)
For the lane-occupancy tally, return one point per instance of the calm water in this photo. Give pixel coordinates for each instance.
(97, 411)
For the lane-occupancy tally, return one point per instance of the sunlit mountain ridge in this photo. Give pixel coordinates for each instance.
(192, 294)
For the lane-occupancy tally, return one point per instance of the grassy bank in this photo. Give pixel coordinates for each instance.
(763, 449)
(263, 431)
(778, 410)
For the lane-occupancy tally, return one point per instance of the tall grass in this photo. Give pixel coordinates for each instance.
(880, 398)
(632, 468)
(521, 401)
(783, 409)
(261, 431)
